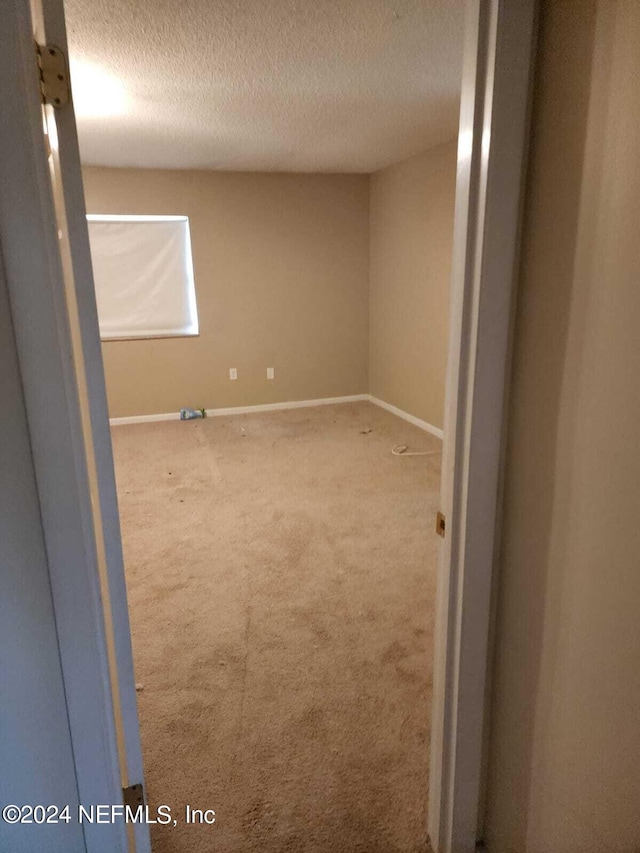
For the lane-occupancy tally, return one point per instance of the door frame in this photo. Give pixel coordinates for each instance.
(498, 63)
(498, 60)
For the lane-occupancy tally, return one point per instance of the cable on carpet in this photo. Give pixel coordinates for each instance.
(403, 450)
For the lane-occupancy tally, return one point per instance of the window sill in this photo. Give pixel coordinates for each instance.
(148, 337)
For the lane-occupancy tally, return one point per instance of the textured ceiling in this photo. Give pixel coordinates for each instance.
(269, 85)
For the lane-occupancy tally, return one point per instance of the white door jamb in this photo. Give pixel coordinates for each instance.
(497, 70)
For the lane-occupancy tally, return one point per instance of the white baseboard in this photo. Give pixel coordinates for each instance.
(293, 404)
(427, 427)
(244, 410)
(145, 419)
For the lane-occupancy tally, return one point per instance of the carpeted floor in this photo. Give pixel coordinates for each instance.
(281, 579)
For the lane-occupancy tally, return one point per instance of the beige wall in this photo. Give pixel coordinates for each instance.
(411, 209)
(564, 768)
(281, 270)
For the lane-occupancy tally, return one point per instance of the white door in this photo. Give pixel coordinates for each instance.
(44, 243)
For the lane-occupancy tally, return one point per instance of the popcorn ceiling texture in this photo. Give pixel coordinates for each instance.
(284, 85)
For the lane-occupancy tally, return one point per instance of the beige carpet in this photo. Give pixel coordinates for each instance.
(281, 578)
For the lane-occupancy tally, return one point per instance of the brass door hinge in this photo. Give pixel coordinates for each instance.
(54, 75)
(133, 796)
(440, 524)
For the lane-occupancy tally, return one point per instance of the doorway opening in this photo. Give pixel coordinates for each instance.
(280, 552)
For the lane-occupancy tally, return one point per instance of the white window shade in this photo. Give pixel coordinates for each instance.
(143, 276)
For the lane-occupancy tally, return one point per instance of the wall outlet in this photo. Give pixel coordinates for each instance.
(233, 373)
(270, 372)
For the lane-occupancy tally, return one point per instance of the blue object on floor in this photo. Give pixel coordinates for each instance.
(189, 414)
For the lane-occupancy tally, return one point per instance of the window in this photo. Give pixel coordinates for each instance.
(143, 276)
